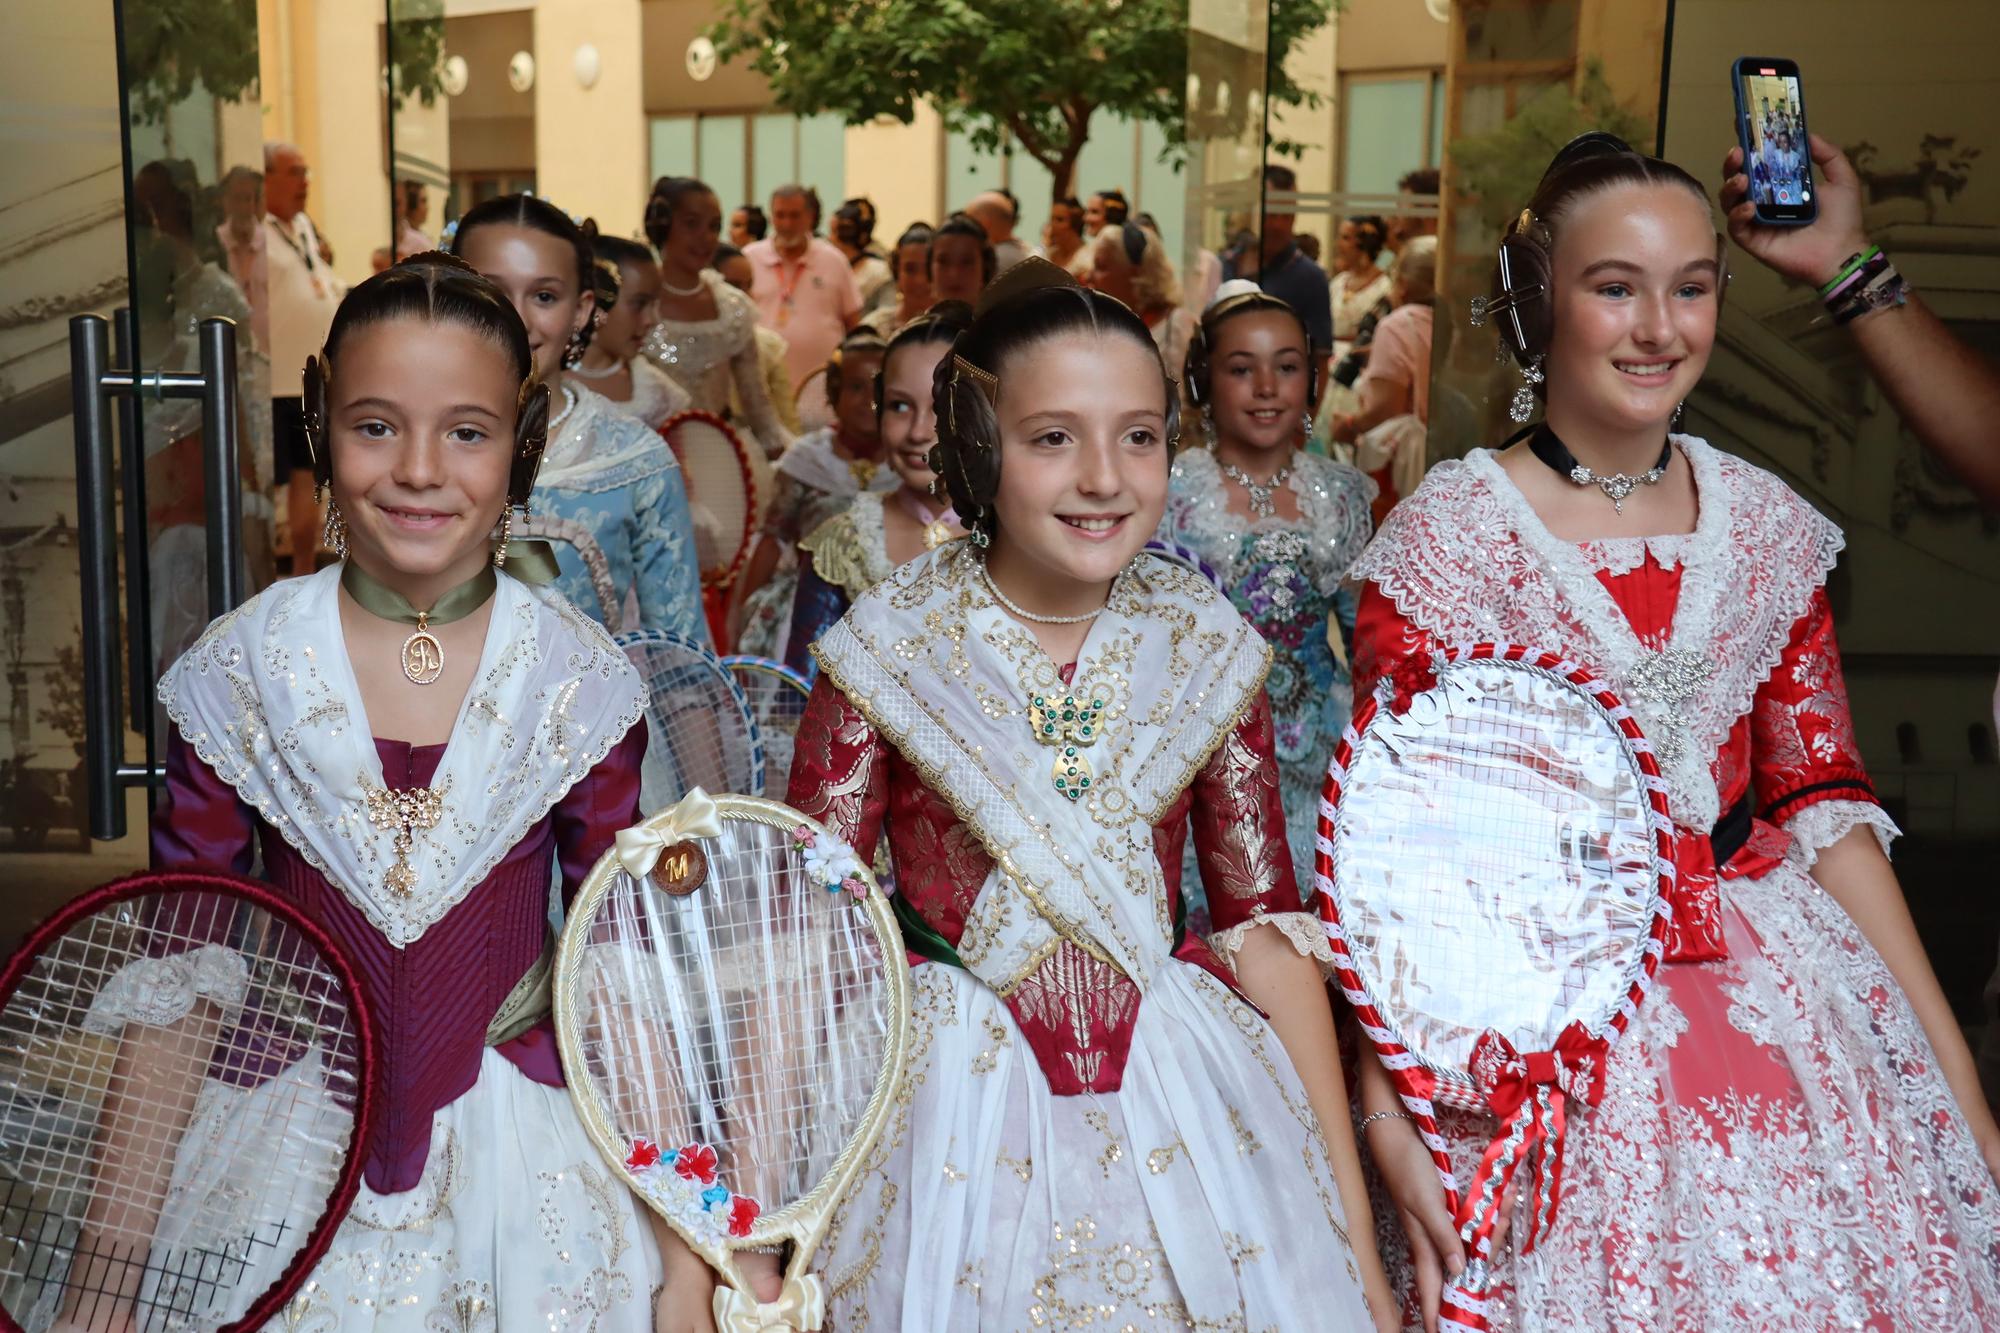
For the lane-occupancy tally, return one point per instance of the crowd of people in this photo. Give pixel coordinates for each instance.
(989, 471)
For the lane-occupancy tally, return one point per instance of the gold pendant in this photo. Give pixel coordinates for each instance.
(1070, 725)
(423, 655)
(405, 812)
(863, 470)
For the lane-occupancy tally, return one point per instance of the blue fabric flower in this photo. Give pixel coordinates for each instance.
(713, 1196)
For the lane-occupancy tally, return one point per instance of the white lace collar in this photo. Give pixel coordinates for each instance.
(1467, 559)
(598, 446)
(1334, 514)
(268, 700)
(812, 460)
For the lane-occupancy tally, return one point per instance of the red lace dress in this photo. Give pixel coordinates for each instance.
(1776, 1148)
(1051, 1208)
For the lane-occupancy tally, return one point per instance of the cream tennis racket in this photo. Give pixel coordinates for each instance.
(732, 1002)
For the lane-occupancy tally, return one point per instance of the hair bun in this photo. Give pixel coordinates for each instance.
(1029, 275)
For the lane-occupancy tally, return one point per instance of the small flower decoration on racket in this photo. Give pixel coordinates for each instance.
(684, 1181)
(832, 863)
(696, 1162)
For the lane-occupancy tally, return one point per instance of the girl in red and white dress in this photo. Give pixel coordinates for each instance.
(1097, 1129)
(1792, 1135)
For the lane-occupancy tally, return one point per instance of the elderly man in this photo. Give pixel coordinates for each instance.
(241, 236)
(802, 285)
(995, 211)
(303, 294)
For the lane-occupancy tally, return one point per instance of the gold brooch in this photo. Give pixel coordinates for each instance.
(405, 812)
(1069, 724)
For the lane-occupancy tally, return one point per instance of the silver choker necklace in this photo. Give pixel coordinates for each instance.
(1260, 492)
(1008, 602)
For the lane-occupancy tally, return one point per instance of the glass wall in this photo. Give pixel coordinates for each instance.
(745, 157)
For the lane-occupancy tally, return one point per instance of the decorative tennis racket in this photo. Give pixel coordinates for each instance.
(580, 538)
(702, 733)
(777, 697)
(722, 489)
(184, 1091)
(1493, 864)
(732, 1002)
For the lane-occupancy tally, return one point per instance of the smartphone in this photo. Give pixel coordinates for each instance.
(1771, 126)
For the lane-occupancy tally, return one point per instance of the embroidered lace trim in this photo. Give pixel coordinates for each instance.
(1302, 929)
(1334, 516)
(1466, 560)
(159, 991)
(1823, 823)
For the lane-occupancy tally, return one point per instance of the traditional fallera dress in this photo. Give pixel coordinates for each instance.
(1776, 1148)
(609, 498)
(1096, 1129)
(838, 561)
(482, 1198)
(656, 397)
(1284, 576)
(813, 485)
(707, 357)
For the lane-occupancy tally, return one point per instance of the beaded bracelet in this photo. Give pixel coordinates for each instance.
(1361, 1126)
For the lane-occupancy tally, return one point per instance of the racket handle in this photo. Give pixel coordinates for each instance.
(1465, 1308)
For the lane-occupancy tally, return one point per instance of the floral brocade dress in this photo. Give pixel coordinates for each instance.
(1777, 1148)
(1284, 577)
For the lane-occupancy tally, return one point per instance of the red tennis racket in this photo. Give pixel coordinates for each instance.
(722, 491)
(1493, 865)
(184, 1092)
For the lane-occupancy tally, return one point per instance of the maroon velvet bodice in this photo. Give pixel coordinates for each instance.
(434, 998)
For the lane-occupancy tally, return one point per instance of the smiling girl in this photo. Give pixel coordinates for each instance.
(1792, 1135)
(610, 493)
(856, 549)
(414, 739)
(630, 300)
(1280, 527)
(1098, 1127)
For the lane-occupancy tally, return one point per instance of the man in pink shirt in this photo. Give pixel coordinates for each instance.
(803, 286)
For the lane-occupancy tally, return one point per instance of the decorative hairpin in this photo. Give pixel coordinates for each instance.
(988, 382)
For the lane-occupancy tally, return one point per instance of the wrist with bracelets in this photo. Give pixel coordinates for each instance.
(1867, 282)
(1361, 1125)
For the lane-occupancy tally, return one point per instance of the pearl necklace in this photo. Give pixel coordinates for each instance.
(586, 373)
(1260, 493)
(672, 290)
(1008, 602)
(569, 405)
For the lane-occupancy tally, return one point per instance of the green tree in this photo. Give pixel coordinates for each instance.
(1033, 71)
(1500, 169)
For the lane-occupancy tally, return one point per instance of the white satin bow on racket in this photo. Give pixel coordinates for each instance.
(185, 1067)
(732, 1003)
(1493, 871)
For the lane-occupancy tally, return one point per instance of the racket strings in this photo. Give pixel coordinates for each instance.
(750, 1016)
(699, 734)
(177, 1082)
(777, 700)
(1494, 869)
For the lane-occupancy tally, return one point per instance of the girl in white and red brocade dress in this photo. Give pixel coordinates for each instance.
(1792, 1135)
(1097, 1128)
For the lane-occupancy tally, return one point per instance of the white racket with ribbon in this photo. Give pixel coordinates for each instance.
(701, 733)
(722, 491)
(185, 1090)
(1493, 869)
(732, 1002)
(777, 698)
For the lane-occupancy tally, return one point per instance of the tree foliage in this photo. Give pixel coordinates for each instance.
(1033, 71)
(1502, 168)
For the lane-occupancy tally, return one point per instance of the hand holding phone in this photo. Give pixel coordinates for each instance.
(1771, 129)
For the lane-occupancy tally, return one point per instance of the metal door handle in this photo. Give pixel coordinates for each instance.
(93, 382)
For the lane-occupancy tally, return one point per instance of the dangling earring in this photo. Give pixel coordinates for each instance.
(979, 537)
(1523, 404)
(506, 533)
(336, 530)
(1679, 409)
(1309, 423)
(573, 351)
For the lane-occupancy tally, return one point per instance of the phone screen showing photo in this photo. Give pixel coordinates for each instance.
(1776, 154)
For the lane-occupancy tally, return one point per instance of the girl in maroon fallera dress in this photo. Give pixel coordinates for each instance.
(411, 780)
(1792, 1136)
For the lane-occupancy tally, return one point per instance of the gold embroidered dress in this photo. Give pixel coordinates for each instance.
(1096, 1129)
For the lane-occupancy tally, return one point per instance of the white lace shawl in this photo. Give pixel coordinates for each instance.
(944, 675)
(1466, 559)
(811, 460)
(599, 446)
(267, 698)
